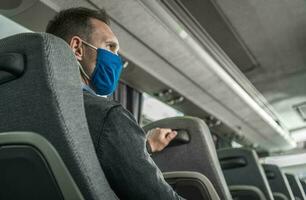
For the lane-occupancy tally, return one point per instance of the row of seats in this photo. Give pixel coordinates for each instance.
(241, 167)
(47, 153)
(235, 172)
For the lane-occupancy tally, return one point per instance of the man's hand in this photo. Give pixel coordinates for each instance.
(159, 138)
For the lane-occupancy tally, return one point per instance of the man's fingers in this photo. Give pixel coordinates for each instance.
(165, 131)
(171, 135)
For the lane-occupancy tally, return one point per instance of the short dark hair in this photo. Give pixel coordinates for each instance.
(75, 21)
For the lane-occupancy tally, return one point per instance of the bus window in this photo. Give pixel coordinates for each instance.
(10, 27)
(236, 144)
(154, 109)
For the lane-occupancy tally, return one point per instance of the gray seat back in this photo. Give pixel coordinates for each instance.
(296, 187)
(303, 182)
(241, 167)
(277, 180)
(194, 154)
(40, 92)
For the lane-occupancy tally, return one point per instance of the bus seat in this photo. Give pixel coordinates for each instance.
(241, 167)
(277, 181)
(192, 150)
(303, 182)
(45, 147)
(296, 186)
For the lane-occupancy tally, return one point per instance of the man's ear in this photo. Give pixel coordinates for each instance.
(76, 46)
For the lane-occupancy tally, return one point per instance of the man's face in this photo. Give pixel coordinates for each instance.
(101, 37)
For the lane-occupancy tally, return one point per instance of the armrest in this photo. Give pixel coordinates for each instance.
(246, 191)
(191, 185)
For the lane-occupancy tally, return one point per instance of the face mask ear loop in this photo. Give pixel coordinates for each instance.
(80, 66)
(90, 45)
(83, 72)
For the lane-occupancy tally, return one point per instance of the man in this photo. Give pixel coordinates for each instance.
(120, 143)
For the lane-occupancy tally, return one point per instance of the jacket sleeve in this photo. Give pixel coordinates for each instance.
(128, 167)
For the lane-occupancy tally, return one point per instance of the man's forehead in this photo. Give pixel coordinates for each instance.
(102, 32)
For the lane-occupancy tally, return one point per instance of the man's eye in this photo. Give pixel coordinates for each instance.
(113, 48)
(110, 47)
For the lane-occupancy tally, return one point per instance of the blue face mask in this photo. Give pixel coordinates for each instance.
(105, 77)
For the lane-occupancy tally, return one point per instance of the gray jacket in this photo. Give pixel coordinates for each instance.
(121, 148)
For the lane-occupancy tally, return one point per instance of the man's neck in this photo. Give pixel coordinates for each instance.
(85, 86)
